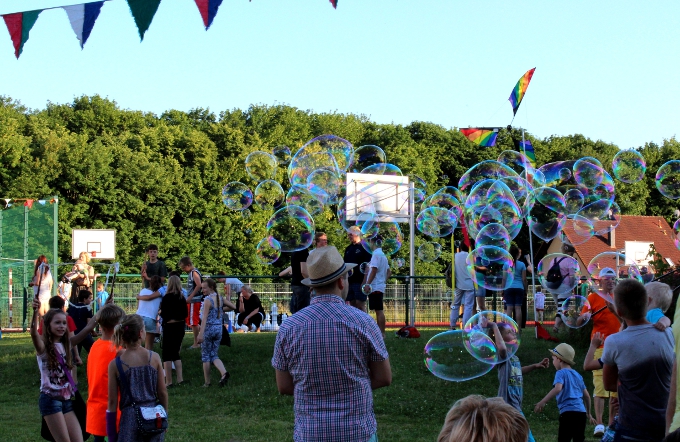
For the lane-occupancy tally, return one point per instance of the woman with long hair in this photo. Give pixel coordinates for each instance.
(174, 312)
(210, 333)
(42, 283)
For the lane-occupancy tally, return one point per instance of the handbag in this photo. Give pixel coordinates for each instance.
(79, 406)
(150, 420)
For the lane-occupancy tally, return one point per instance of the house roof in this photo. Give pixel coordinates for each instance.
(652, 229)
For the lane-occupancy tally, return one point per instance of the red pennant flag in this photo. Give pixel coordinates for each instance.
(28, 203)
(543, 333)
(19, 25)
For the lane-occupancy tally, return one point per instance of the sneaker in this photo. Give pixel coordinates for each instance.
(599, 431)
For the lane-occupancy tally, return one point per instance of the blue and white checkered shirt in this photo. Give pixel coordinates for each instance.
(327, 348)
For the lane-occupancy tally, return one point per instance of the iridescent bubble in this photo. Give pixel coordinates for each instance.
(492, 267)
(363, 268)
(325, 184)
(447, 357)
(573, 201)
(668, 179)
(282, 154)
(429, 252)
(383, 169)
(588, 174)
(491, 201)
(493, 234)
(418, 195)
(436, 222)
(369, 155)
(676, 234)
(603, 273)
(340, 149)
(483, 171)
(575, 311)
(369, 223)
(301, 196)
(261, 166)
(581, 228)
(268, 250)
(293, 227)
(399, 262)
(565, 174)
(568, 277)
(517, 161)
(419, 183)
(237, 196)
(269, 194)
(629, 166)
(482, 323)
(366, 289)
(351, 206)
(547, 217)
(389, 238)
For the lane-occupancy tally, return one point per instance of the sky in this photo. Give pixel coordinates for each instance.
(605, 69)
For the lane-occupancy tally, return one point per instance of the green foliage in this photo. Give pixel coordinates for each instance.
(159, 178)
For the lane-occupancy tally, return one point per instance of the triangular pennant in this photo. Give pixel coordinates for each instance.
(7, 200)
(482, 136)
(19, 26)
(28, 203)
(208, 10)
(143, 12)
(42, 202)
(519, 90)
(334, 3)
(82, 18)
(9, 205)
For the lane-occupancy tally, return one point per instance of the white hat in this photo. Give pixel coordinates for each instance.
(324, 266)
(607, 272)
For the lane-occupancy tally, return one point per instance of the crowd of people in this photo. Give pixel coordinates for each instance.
(330, 355)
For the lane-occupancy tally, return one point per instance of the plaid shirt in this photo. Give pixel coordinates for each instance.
(326, 348)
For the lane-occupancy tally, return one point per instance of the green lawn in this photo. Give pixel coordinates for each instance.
(250, 409)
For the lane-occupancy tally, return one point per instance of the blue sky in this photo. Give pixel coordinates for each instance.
(606, 69)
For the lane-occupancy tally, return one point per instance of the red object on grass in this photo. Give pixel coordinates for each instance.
(543, 333)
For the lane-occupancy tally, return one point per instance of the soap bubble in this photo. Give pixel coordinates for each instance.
(237, 196)
(629, 166)
(418, 182)
(261, 166)
(573, 201)
(517, 161)
(547, 217)
(676, 234)
(668, 179)
(357, 203)
(383, 169)
(573, 309)
(369, 223)
(268, 194)
(603, 273)
(483, 171)
(363, 268)
(301, 196)
(399, 262)
(480, 323)
(366, 289)
(389, 238)
(447, 357)
(436, 222)
(569, 271)
(429, 252)
(493, 234)
(268, 250)
(340, 149)
(369, 155)
(282, 155)
(325, 184)
(293, 227)
(499, 267)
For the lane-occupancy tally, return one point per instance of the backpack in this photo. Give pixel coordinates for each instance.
(554, 277)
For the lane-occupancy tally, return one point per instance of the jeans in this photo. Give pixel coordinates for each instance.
(467, 298)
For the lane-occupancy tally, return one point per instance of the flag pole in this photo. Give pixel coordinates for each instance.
(531, 245)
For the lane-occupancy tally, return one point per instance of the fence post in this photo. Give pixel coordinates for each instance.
(9, 297)
(23, 322)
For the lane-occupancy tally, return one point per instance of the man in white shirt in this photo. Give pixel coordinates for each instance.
(377, 276)
(465, 288)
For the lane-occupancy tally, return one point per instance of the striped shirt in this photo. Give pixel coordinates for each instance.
(327, 348)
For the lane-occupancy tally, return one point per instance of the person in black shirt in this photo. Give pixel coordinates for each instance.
(298, 267)
(355, 253)
(81, 312)
(250, 311)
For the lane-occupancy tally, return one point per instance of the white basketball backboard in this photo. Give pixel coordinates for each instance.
(99, 243)
(388, 194)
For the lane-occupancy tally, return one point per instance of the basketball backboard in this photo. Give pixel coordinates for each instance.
(99, 243)
(387, 194)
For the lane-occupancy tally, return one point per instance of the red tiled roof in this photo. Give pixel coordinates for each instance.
(653, 229)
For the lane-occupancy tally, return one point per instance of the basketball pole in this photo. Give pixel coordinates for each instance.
(531, 250)
(412, 248)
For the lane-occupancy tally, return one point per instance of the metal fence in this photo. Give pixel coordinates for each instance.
(432, 302)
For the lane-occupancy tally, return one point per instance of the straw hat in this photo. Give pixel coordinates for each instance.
(324, 266)
(564, 352)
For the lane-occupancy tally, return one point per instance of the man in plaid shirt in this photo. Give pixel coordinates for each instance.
(330, 356)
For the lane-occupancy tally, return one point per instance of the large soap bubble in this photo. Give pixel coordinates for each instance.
(268, 250)
(482, 323)
(301, 196)
(493, 234)
(587, 174)
(447, 357)
(629, 166)
(261, 166)
(429, 252)
(389, 238)
(558, 273)
(340, 149)
(517, 161)
(573, 201)
(325, 184)
(369, 155)
(483, 171)
(282, 154)
(293, 227)
(575, 311)
(604, 273)
(383, 169)
(351, 206)
(676, 234)
(237, 196)
(268, 194)
(668, 179)
(436, 222)
(547, 217)
(492, 267)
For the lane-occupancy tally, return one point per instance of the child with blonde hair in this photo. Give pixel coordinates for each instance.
(659, 297)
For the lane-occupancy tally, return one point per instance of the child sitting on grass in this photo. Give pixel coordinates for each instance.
(571, 395)
(101, 354)
(659, 296)
(510, 372)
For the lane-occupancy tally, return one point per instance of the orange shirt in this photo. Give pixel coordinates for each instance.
(101, 354)
(604, 322)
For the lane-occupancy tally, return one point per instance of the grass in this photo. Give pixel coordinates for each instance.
(250, 409)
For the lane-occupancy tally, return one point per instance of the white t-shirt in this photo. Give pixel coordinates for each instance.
(463, 278)
(149, 309)
(235, 285)
(379, 261)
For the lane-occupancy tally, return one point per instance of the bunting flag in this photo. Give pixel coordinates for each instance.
(334, 3)
(28, 203)
(520, 89)
(528, 150)
(143, 12)
(208, 10)
(483, 136)
(82, 18)
(19, 25)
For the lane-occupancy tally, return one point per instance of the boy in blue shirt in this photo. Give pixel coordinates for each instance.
(102, 296)
(571, 395)
(659, 297)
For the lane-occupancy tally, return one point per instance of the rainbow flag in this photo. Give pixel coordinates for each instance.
(528, 150)
(520, 89)
(19, 25)
(483, 136)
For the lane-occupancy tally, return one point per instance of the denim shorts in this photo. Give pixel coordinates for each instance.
(49, 405)
(150, 325)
